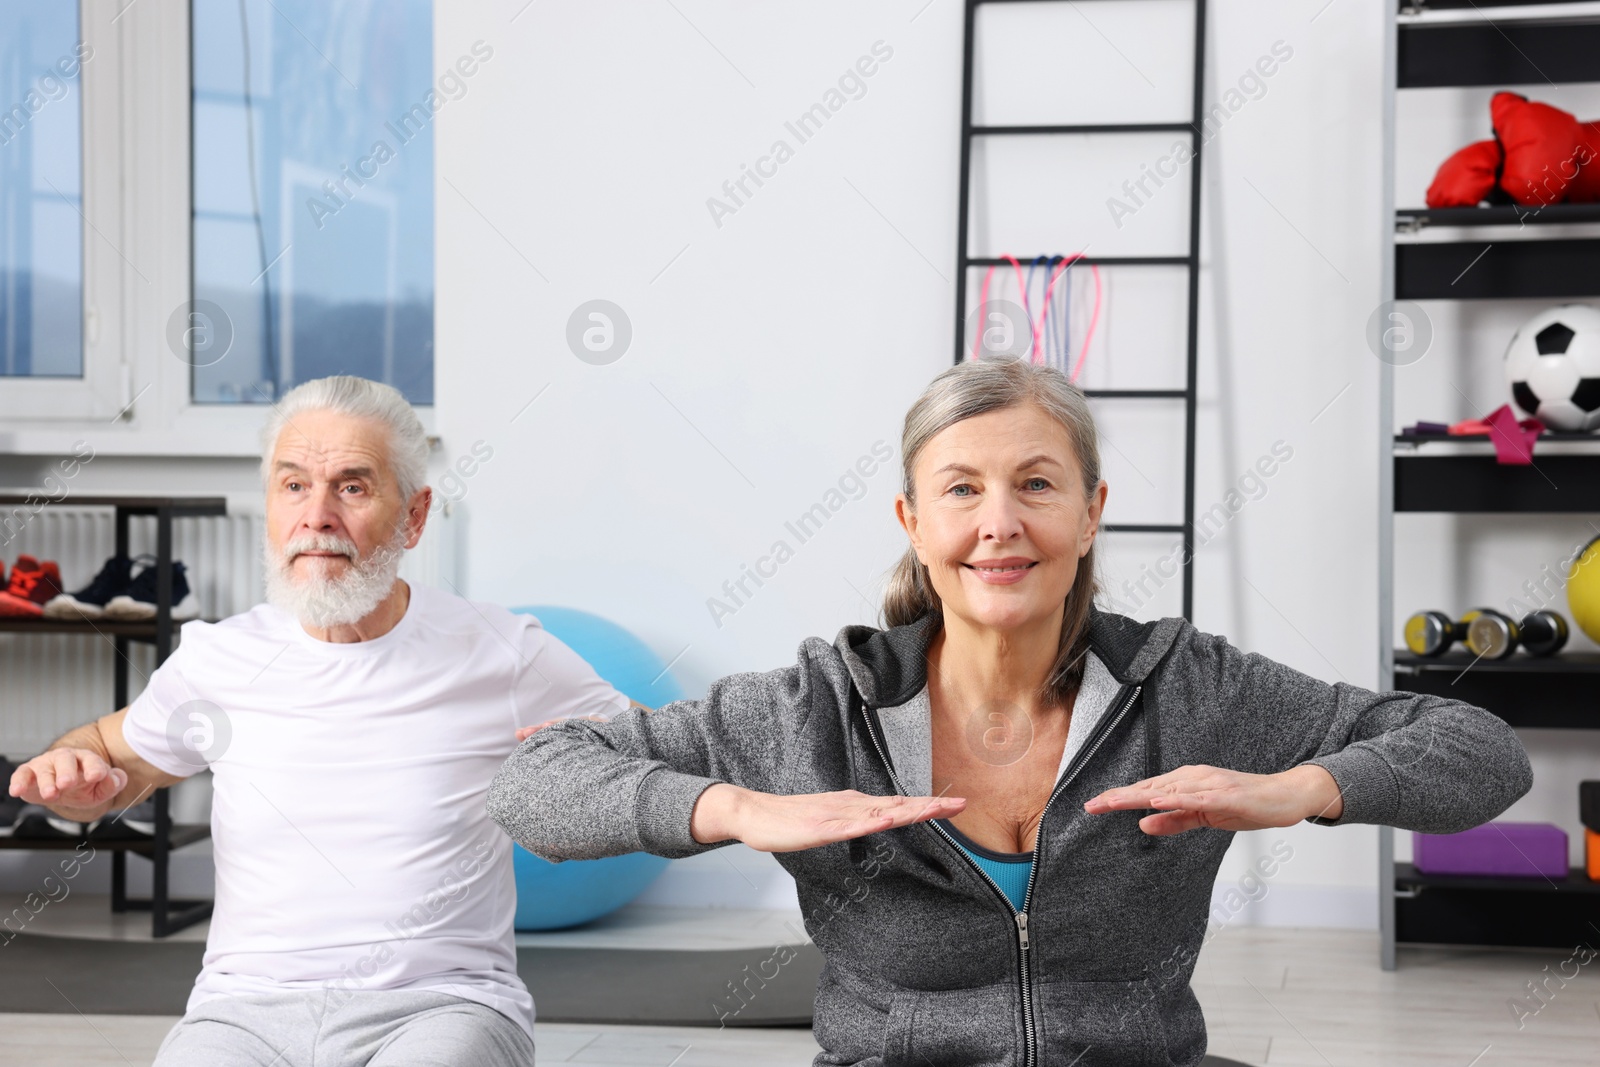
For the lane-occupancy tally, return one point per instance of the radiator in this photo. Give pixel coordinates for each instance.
(52, 682)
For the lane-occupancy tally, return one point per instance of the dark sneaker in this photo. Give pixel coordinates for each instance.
(41, 824)
(10, 806)
(141, 818)
(131, 824)
(139, 602)
(90, 601)
(33, 584)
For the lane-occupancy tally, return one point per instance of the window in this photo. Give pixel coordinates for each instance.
(41, 229)
(313, 196)
(204, 205)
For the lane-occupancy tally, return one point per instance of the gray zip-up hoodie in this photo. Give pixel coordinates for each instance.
(926, 961)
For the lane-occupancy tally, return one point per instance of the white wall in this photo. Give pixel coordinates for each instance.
(771, 351)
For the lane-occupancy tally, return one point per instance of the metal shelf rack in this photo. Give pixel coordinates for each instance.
(1462, 44)
(167, 914)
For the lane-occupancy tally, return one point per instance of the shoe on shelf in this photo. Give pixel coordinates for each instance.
(137, 823)
(90, 601)
(39, 823)
(10, 806)
(141, 818)
(33, 584)
(139, 602)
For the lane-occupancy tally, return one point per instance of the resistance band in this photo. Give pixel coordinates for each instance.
(1039, 351)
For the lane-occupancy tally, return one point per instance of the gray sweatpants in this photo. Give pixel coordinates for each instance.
(370, 1028)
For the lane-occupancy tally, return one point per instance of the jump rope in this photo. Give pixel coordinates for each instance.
(1052, 336)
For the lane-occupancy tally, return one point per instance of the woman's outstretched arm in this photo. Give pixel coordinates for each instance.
(1410, 760)
(690, 775)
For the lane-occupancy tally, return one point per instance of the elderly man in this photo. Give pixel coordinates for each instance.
(352, 726)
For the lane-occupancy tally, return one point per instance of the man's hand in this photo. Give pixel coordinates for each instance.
(75, 782)
(770, 823)
(528, 731)
(1201, 796)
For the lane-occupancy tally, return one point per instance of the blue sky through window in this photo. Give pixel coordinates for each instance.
(313, 195)
(41, 232)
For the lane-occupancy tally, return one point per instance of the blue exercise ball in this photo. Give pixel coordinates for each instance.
(554, 896)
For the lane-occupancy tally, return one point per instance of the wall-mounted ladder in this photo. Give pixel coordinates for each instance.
(1191, 261)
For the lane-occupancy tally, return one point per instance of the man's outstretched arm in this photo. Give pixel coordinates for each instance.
(89, 771)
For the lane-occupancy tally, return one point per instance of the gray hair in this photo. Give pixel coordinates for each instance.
(976, 387)
(360, 398)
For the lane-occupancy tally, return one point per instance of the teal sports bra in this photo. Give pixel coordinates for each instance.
(1010, 870)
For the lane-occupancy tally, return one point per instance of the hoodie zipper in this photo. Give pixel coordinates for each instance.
(1106, 726)
(1029, 1027)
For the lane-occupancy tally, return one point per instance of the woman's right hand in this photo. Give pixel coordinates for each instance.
(770, 823)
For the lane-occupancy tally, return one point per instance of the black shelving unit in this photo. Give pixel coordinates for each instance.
(1545, 913)
(1473, 438)
(1554, 693)
(167, 914)
(1459, 43)
(1561, 484)
(1415, 219)
(1491, 44)
(1191, 261)
(1480, 269)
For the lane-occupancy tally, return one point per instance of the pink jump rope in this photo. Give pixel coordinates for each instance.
(1037, 354)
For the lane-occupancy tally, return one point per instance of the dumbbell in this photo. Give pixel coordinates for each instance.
(1543, 633)
(1431, 633)
(1487, 633)
(1493, 635)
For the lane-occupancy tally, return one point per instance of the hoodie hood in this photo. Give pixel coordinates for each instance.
(889, 667)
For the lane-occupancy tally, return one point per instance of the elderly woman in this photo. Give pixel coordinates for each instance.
(1005, 811)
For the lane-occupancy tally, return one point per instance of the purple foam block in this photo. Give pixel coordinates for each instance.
(1502, 849)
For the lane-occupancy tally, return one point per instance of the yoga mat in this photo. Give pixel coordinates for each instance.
(588, 985)
(570, 985)
(71, 974)
(671, 988)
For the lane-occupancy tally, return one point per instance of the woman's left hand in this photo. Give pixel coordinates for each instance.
(1193, 797)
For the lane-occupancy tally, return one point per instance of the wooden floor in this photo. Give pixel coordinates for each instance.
(1272, 996)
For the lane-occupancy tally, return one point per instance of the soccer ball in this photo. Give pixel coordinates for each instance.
(1553, 366)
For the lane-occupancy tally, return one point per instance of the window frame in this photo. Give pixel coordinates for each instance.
(135, 395)
(95, 393)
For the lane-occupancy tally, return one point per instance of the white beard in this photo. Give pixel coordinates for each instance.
(322, 602)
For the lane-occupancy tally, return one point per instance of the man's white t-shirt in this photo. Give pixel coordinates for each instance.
(352, 846)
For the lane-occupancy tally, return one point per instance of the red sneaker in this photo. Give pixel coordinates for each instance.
(32, 584)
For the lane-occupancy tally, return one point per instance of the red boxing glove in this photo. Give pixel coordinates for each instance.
(1585, 188)
(1466, 178)
(1541, 146)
